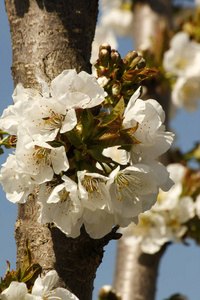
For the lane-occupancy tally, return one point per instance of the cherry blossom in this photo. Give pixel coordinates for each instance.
(77, 90)
(183, 57)
(186, 92)
(151, 138)
(42, 290)
(46, 117)
(62, 207)
(134, 189)
(39, 159)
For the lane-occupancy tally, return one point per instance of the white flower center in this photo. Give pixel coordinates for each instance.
(143, 227)
(51, 295)
(41, 156)
(91, 184)
(54, 121)
(127, 185)
(64, 195)
(180, 63)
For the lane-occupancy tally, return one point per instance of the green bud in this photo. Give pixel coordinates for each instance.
(135, 61)
(115, 57)
(130, 56)
(125, 64)
(103, 72)
(104, 56)
(141, 63)
(106, 47)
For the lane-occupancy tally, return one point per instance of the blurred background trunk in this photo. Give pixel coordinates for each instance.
(136, 272)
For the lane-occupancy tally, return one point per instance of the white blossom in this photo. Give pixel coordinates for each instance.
(152, 139)
(62, 207)
(14, 114)
(93, 191)
(186, 93)
(98, 223)
(166, 219)
(94, 194)
(43, 289)
(77, 90)
(39, 159)
(197, 206)
(134, 189)
(15, 291)
(105, 4)
(183, 57)
(169, 200)
(17, 184)
(176, 217)
(150, 232)
(119, 19)
(46, 117)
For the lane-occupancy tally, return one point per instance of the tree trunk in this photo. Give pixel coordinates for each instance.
(136, 272)
(48, 37)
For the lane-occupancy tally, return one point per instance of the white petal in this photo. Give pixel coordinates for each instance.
(16, 291)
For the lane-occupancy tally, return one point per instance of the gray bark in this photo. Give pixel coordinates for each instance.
(48, 37)
(136, 272)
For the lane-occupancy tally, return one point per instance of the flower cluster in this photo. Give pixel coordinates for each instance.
(169, 219)
(43, 288)
(60, 136)
(182, 60)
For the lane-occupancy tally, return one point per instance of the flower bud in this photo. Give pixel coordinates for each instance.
(103, 72)
(107, 293)
(130, 56)
(125, 63)
(135, 61)
(104, 56)
(116, 88)
(103, 80)
(142, 63)
(106, 47)
(115, 57)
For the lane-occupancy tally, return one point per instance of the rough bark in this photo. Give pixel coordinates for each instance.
(48, 37)
(136, 272)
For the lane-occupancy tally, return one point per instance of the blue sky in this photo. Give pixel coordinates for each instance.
(180, 266)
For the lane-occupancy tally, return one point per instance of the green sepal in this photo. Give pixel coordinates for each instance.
(74, 138)
(87, 121)
(96, 152)
(31, 273)
(84, 162)
(56, 144)
(28, 272)
(117, 110)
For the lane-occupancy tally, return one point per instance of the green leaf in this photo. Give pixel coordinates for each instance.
(117, 110)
